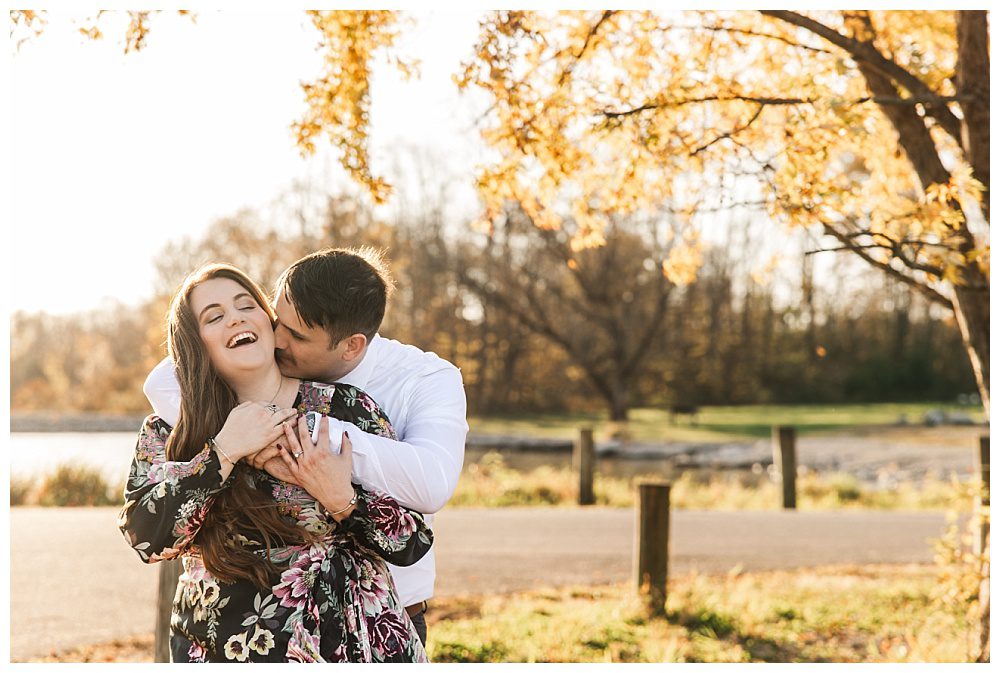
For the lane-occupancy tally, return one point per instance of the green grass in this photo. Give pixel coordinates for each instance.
(716, 423)
(865, 614)
(490, 483)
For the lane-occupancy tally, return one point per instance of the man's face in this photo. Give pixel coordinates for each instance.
(306, 352)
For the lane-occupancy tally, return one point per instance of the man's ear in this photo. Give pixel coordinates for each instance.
(355, 347)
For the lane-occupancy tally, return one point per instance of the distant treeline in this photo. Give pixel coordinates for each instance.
(538, 326)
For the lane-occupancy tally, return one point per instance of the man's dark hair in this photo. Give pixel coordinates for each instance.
(342, 290)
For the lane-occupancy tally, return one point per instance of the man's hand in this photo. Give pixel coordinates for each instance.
(324, 474)
(269, 460)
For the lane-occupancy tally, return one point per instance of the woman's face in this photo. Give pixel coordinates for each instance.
(236, 331)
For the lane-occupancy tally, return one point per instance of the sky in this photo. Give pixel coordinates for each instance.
(114, 155)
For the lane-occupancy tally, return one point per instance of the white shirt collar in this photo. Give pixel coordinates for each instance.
(360, 375)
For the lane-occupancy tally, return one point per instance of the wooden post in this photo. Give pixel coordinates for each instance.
(783, 451)
(583, 462)
(652, 544)
(169, 572)
(983, 504)
(982, 544)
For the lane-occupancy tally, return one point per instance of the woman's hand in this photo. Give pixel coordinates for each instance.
(269, 460)
(250, 427)
(324, 474)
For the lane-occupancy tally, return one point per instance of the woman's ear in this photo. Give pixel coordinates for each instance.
(356, 344)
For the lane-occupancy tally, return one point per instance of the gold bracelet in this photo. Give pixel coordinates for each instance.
(215, 445)
(352, 503)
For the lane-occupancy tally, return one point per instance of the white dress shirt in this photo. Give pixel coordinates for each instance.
(423, 397)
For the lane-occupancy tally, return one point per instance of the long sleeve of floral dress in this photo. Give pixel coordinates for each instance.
(166, 501)
(334, 599)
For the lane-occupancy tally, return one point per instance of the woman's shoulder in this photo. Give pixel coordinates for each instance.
(319, 396)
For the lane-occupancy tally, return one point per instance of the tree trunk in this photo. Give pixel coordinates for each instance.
(972, 72)
(972, 310)
(619, 407)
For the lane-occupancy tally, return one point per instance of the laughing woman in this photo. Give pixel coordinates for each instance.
(273, 571)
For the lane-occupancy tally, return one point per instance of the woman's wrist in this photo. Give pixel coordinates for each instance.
(213, 443)
(339, 509)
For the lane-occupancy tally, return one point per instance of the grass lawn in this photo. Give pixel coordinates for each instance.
(874, 614)
(717, 423)
(856, 614)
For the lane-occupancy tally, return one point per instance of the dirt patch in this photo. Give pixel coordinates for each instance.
(137, 649)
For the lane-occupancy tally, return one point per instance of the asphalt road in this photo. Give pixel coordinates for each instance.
(74, 581)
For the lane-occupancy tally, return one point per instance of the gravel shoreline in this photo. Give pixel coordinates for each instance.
(59, 422)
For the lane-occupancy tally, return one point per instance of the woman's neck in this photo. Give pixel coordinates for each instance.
(259, 386)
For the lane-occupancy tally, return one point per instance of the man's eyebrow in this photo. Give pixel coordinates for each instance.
(235, 298)
(294, 332)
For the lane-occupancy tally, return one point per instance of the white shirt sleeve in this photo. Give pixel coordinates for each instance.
(163, 391)
(421, 470)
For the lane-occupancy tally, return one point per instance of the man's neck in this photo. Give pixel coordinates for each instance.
(356, 368)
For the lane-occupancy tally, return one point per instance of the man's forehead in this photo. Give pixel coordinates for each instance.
(289, 316)
(287, 313)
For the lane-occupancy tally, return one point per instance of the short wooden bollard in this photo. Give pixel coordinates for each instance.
(169, 572)
(983, 505)
(783, 452)
(652, 544)
(982, 543)
(583, 464)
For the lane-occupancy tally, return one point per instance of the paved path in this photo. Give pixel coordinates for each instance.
(74, 581)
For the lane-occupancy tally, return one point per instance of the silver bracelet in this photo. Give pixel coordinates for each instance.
(215, 445)
(352, 503)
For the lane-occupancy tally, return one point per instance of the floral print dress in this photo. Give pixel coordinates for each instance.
(334, 600)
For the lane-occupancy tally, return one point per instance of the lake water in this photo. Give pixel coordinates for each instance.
(36, 453)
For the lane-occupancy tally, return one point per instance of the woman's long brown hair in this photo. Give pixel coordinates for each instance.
(206, 400)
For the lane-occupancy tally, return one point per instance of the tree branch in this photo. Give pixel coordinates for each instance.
(765, 101)
(886, 267)
(730, 134)
(868, 53)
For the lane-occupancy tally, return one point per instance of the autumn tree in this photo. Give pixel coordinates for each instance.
(602, 306)
(871, 126)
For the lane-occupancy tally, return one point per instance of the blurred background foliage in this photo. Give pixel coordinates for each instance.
(536, 329)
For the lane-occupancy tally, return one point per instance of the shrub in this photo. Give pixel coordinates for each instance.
(457, 652)
(20, 490)
(846, 487)
(75, 486)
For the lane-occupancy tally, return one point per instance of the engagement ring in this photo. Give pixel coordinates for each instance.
(296, 455)
(272, 407)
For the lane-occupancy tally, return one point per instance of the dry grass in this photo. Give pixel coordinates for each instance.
(490, 483)
(875, 614)
(864, 614)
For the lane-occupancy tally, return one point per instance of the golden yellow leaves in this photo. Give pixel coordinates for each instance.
(339, 100)
(684, 260)
(91, 32)
(26, 24)
(136, 31)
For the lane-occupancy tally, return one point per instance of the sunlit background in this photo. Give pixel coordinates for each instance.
(116, 154)
(677, 350)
